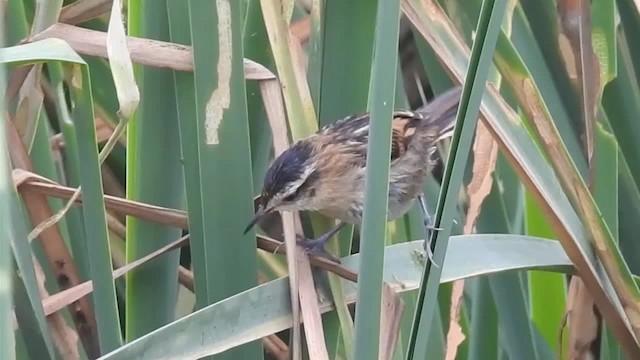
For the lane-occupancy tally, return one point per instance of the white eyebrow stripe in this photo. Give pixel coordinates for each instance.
(293, 186)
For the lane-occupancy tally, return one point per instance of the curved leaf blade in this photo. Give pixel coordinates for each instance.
(266, 309)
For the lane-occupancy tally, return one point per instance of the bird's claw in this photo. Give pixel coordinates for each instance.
(427, 247)
(430, 229)
(315, 247)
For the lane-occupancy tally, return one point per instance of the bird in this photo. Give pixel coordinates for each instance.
(325, 172)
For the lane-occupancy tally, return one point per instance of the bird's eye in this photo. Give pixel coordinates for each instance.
(302, 187)
(292, 196)
(295, 194)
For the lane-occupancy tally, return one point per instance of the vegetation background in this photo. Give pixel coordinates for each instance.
(166, 113)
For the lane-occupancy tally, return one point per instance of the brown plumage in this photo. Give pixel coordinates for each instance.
(325, 172)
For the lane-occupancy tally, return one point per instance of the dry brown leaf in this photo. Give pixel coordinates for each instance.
(111, 184)
(582, 321)
(30, 103)
(104, 130)
(54, 247)
(275, 347)
(64, 337)
(160, 54)
(16, 79)
(485, 151)
(390, 318)
(84, 10)
(58, 301)
(185, 277)
(301, 29)
(301, 280)
(274, 108)
(455, 336)
(30, 182)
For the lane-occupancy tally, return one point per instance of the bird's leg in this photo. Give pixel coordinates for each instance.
(316, 246)
(429, 227)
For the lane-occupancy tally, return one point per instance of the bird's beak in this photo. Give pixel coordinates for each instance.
(257, 217)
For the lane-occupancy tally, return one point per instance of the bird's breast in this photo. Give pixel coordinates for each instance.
(344, 200)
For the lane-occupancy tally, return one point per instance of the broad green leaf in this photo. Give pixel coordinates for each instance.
(525, 156)
(246, 316)
(178, 14)
(222, 138)
(94, 211)
(154, 176)
(487, 31)
(374, 224)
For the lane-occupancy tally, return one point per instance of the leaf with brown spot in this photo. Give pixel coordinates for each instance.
(529, 160)
(455, 336)
(485, 151)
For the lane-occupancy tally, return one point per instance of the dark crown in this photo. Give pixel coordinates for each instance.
(287, 168)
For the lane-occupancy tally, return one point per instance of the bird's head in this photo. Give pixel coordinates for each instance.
(289, 182)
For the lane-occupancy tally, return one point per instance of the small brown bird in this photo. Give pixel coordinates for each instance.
(325, 172)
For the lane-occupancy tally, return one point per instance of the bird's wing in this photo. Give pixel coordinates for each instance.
(351, 134)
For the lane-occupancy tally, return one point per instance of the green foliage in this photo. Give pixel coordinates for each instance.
(556, 88)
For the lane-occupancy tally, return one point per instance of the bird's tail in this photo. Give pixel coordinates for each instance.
(441, 112)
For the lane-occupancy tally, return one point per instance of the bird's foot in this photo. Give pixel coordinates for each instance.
(429, 229)
(315, 247)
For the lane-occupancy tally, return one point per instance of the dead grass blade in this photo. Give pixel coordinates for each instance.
(276, 347)
(16, 79)
(392, 309)
(27, 182)
(155, 53)
(297, 98)
(54, 247)
(64, 337)
(185, 277)
(301, 29)
(104, 130)
(274, 108)
(58, 301)
(30, 182)
(485, 154)
(111, 183)
(30, 101)
(485, 151)
(455, 336)
(582, 321)
(84, 10)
